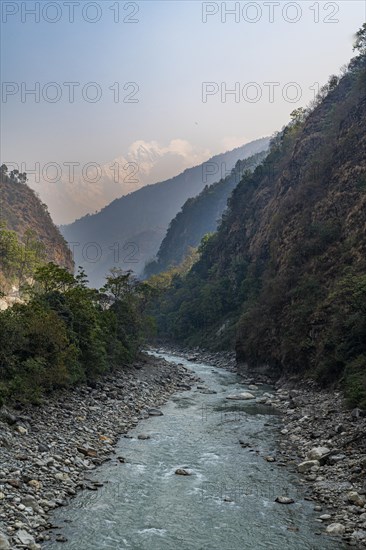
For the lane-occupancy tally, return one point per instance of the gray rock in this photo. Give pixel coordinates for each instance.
(335, 458)
(21, 430)
(4, 542)
(359, 535)
(307, 465)
(154, 412)
(316, 453)
(25, 538)
(143, 436)
(30, 502)
(7, 417)
(182, 472)
(335, 529)
(284, 500)
(241, 396)
(354, 498)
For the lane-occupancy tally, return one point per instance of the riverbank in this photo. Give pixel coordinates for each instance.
(46, 452)
(322, 440)
(325, 442)
(221, 359)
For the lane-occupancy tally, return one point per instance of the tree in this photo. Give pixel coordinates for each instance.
(51, 278)
(298, 116)
(360, 40)
(119, 283)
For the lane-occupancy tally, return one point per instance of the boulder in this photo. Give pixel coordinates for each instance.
(336, 458)
(25, 538)
(182, 472)
(30, 502)
(87, 452)
(335, 529)
(307, 465)
(35, 484)
(4, 542)
(21, 430)
(354, 498)
(316, 453)
(241, 396)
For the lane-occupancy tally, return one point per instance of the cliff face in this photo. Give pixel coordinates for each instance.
(22, 210)
(199, 215)
(305, 239)
(284, 278)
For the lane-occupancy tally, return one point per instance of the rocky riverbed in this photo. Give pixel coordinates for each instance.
(323, 440)
(47, 452)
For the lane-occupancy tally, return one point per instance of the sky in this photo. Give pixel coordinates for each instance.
(130, 93)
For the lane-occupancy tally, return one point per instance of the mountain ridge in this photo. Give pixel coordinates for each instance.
(283, 280)
(199, 216)
(122, 224)
(22, 210)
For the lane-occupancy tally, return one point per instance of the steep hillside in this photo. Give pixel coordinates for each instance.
(128, 232)
(24, 213)
(284, 278)
(200, 215)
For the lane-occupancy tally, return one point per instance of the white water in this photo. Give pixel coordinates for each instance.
(228, 502)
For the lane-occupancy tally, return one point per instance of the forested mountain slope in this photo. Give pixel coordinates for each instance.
(199, 215)
(128, 232)
(27, 232)
(284, 278)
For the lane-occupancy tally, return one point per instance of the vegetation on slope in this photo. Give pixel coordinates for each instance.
(284, 278)
(199, 216)
(66, 333)
(18, 259)
(61, 332)
(24, 213)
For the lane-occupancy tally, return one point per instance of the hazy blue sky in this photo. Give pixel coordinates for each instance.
(169, 52)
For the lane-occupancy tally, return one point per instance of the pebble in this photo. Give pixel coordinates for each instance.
(325, 517)
(45, 461)
(284, 500)
(326, 441)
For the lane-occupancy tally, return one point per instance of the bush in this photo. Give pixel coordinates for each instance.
(67, 333)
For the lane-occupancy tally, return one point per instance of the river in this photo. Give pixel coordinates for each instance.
(228, 503)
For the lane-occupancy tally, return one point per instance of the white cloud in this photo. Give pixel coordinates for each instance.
(143, 163)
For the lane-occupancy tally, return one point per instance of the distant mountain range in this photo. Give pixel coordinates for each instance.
(128, 232)
(199, 215)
